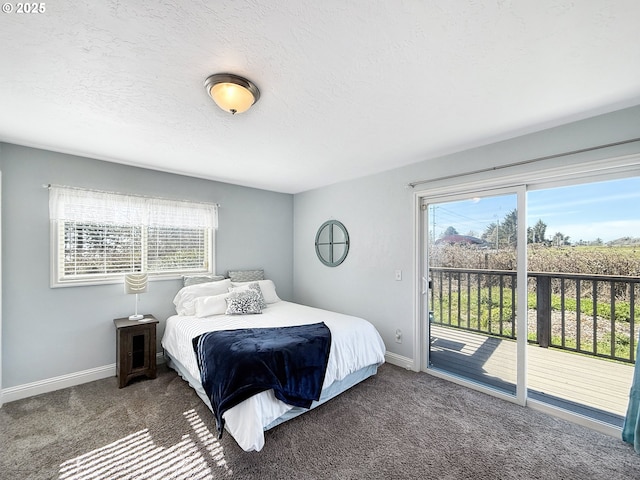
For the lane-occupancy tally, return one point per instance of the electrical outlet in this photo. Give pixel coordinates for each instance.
(398, 275)
(398, 336)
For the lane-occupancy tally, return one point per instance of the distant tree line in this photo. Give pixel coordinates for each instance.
(504, 234)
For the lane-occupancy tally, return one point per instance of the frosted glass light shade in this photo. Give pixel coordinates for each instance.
(232, 98)
(232, 93)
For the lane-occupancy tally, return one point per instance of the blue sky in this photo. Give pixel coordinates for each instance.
(605, 210)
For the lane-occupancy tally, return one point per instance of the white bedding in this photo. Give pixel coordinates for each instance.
(355, 344)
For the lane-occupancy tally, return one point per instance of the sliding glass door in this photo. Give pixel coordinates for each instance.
(584, 268)
(534, 293)
(471, 274)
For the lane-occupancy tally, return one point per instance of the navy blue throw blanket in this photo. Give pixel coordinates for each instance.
(236, 364)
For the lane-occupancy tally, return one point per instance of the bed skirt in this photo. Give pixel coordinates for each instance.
(329, 392)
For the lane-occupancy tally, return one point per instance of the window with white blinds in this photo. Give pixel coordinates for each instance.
(99, 236)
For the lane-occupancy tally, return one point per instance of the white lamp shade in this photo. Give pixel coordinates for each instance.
(135, 283)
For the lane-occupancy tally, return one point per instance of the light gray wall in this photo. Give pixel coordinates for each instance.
(51, 332)
(378, 212)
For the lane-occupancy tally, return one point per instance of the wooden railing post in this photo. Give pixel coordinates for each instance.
(543, 309)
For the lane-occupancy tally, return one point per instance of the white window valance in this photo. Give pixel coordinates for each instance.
(80, 205)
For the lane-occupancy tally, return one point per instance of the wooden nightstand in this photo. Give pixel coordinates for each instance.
(135, 348)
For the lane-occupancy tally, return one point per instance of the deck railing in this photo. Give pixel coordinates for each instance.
(589, 314)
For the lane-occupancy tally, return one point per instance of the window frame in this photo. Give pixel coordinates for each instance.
(57, 277)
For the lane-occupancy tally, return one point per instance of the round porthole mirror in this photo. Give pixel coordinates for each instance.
(332, 243)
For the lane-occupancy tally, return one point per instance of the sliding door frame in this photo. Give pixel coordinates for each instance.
(543, 174)
(425, 198)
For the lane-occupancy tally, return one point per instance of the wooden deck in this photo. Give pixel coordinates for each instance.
(594, 387)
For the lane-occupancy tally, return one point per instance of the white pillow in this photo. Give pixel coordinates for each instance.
(213, 305)
(185, 299)
(267, 287)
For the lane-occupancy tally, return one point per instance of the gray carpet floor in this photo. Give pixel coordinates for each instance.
(396, 425)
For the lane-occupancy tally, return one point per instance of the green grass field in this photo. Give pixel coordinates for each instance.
(478, 311)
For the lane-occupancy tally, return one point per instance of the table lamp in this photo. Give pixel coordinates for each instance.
(135, 283)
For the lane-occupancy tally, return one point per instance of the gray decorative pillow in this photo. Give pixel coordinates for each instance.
(243, 303)
(254, 287)
(246, 275)
(189, 280)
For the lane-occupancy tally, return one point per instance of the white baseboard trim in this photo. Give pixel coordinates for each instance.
(400, 361)
(12, 394)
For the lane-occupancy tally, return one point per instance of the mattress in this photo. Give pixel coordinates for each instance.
(356, 351)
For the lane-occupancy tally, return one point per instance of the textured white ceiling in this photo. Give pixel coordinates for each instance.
(348, 88)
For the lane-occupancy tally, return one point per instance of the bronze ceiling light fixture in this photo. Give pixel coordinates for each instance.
(232, 93)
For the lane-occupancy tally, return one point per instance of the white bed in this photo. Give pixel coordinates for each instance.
(356, 352)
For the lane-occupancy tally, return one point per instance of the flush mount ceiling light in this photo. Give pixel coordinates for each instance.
(232, 93)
